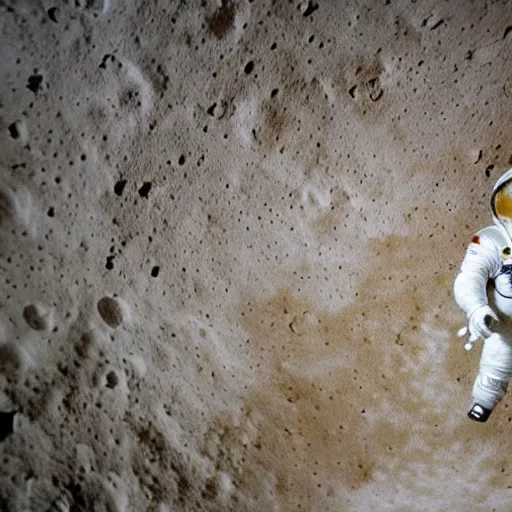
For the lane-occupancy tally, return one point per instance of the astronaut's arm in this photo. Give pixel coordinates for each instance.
(481, 262)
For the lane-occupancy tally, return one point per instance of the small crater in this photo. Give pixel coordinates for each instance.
(352, 91)
(223, 19)
(110, 311)
(34, 83)
(211, 109)
(112, 379)
(308, 8)
(300, 324)
(293, 325)
(507, 31)
(144, 190)
(34, 317)
(18, 131)
(51, 212)
(181, 160)
(119, 187)
(13, 131)
(249, 67)
(374, 89)
(84, 346)
(52, 13)
(155, 270)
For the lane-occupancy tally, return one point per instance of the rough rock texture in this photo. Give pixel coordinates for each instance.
(229, 232)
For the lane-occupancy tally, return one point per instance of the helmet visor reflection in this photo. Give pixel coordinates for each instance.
(503, 203)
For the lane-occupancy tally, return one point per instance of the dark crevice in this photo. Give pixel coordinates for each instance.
(34, 83)
(52, 14)
(110, 262)
(103, 64)
(311, 8)
(13, 131)
(119, 187)
(437, 25)
(144, 190)
(6, 424)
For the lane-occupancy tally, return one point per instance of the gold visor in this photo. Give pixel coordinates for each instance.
(503, 203)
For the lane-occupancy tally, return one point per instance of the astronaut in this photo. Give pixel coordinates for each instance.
(483, 289)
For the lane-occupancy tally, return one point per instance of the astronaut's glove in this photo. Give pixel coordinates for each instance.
(480, 324)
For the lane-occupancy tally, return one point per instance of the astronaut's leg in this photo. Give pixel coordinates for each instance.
(492, 380)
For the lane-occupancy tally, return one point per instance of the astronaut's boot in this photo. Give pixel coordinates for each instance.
(487, 392)
(495, 372)
(479, 413)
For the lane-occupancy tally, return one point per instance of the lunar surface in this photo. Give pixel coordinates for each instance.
(229, 231)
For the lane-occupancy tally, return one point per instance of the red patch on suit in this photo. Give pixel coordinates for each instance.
(475, 240)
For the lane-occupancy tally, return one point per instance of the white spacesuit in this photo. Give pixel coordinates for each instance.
(483, 289)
